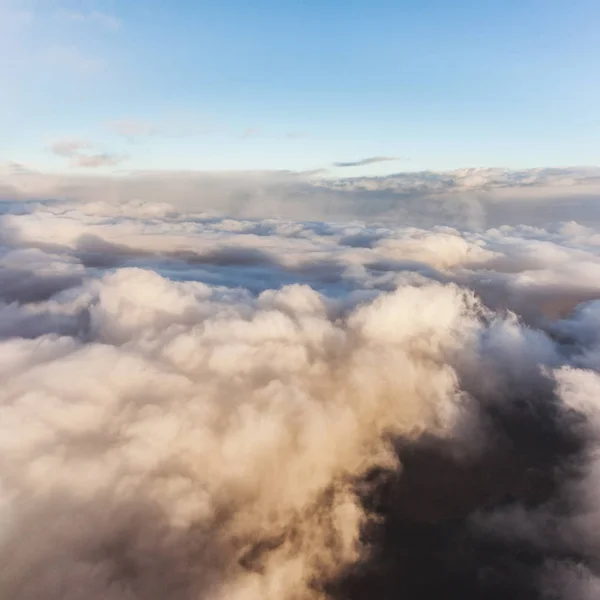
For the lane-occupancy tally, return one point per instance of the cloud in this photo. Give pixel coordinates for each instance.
(466, 198)
(198, 404)
(79, 151)
(104, 20)
(132, 128)
(69, 148)
(365, 161)
(202, 403)
(104, 159)
(251, 132)
(178, 125)
(295, 135)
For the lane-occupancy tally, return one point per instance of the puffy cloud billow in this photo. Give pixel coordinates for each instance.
(236, 408)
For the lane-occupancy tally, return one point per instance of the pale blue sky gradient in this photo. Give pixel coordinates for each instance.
(299, 85)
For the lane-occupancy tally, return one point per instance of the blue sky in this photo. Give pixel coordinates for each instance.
(93, 85)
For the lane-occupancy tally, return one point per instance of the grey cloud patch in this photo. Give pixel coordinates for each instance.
(366, 161)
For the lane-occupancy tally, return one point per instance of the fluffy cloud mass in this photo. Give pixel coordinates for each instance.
(216, 405)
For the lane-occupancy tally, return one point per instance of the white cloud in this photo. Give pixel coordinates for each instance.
(197, 404)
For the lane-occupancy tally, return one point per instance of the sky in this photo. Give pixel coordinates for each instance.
(299, 299)
(355, 87)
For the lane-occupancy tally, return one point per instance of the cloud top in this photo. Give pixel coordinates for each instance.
(249, 408)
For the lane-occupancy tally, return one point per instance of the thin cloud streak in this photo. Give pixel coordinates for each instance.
(366, 161)
(81, 155)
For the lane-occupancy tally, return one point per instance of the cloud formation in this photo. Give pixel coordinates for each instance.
(104, 159)
(132, 128)
(365, 161)
(81, 155)
(198, 404)
(466, 198)
(69, 148)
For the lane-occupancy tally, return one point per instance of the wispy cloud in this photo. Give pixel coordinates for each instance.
(132, 128)
(294, 135)
(250, 132)
(69, 148)
(100, 19)
(175, 126)
(105, 159)
(81, 154)
(70, 59)
(365, 161)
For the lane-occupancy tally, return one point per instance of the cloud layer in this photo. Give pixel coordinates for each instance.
(467, 198)
(198, 405)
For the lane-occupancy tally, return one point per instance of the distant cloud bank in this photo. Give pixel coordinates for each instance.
(471, 198)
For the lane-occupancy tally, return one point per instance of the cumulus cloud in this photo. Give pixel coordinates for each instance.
(365, 161)
(198, 404)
